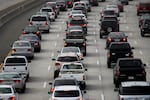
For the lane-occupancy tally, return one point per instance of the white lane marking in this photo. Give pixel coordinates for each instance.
(141, 52)
(96, 50)
(55, 44)
(135, 42)
(100, 77)
(44, 85)
(57, 35)
(97, 62)
(49, 67)
(52, 54)
(102, 97)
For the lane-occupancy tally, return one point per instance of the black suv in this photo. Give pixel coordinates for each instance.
(129, 69)
(107, 26)
(118, 50)
(145, 27)
(81, 43)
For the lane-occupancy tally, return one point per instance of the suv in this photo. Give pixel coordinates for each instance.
(129, 69)
(107, 26)
(118, 50)
(134, 90)
(81, 43)
(143, 7)
(41, 21)
(145, 27)
(62, 4)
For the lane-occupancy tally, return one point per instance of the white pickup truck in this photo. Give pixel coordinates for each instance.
(16, 64)
(75, 70)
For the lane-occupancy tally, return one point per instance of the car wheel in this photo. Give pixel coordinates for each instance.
(142, 34)
(137, 13)
(101, 36)
(83, 86)
(56, 73)
(23, 89)
(108, 64)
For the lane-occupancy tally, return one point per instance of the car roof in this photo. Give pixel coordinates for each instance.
(7, 86)
(135, 83)
(66, 88)
(67, 54)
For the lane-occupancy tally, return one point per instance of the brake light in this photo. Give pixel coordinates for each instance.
(46, 23)
(17, 81)
(57, 64)
(70, 25)
(38, 33)
(70, 16)
(69, 2)
(11, 98)
(117, 72)
(31, 23)
(109, 39)
(52, 90)
(30, 49)
(64, 5)
(36, 43)
(108, 54)
(1, 81)
(65, 44)
(84, 44)
(124, 39)
(84, 25)
(23, 32)
(142, 20)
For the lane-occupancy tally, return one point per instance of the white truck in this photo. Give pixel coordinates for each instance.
(75, 70)
(17, 64)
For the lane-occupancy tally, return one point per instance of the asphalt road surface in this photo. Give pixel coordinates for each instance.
(99, 77)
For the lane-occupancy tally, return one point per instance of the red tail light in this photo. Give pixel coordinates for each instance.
(1, 81)
(109, 39)
(69, 25)
(46, 23)
(65, 44)
(118, 73)
(108, 54)
(11, 98)
(57, 64)
(52, 90)
(23, 32)
(69, 2)
(31, 23)
(84, 44)
(124, 39)
(64, 5)
(38, 33)
(29, 49)
(84, 25)
(17, 81)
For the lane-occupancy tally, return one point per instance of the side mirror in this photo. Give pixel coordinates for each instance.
(86, 69)
(50, 83)
(53, 59)
(65, 29)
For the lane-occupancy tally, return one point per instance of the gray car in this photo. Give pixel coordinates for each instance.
(14, 79)
(7, 92)
(22, 48)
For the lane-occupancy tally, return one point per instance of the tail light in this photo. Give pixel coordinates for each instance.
(70, 16)
(36, 43)
(108, 54)
(124, 39)
(1, 81)
(30, 49)
(65, 44)
(69, 2)
(84, 44)
(31, 23)
(38, 33)
(11, 98)
(64, 5)
(79, 99)
(46, 23)
(69, 25)
(57, 64)
(52, 89)
(109, 39)
(23, 32)
(84, 25)
(117, 72)
(17, 81)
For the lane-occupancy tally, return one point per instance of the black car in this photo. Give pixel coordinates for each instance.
(32, 29)
(107, 26)
(142, 18)
(80, 22)
(115, 37)
(62, 4)
(75, 34)
(81, 43)
(118, 50)
(129, 69)
(145, 27)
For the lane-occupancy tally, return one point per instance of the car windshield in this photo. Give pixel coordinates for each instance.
(130, 63)
(39, 18)
(9, 76)
(21, 44)
(120, 47)
(5, 90)
(72, 93)
(64, 82)
(117, 35)
(136, 98)
(72, 66)
(75, 27)
(65, 50)
(67, 59)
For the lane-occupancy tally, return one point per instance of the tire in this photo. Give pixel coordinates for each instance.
(142, 34)
(108, 64)
(23, 89)
(116, 84)
(101, 36)
(47, 31)
(83, 86)
(137, 13)
(56, 73)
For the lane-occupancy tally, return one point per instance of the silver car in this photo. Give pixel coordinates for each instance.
(7, 92)
(22, 48)
(14, 79)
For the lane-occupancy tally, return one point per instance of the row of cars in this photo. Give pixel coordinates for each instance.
(129, 73)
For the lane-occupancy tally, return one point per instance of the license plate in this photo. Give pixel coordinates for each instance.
(130, 77)
(117, 40)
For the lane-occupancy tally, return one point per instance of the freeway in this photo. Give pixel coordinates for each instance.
(99, 77)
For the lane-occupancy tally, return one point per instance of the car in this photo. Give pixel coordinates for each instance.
(54, 6)
(124, 2)
(62, 81)
(107, 13)
(118, 50)
(72, 49)
(64, 58)
(67, 92)
(78, 21)
(107, 26)
(22, 48)
(74, 12)
(113, 7)
(143, 7)
(70, 3)
(115, 37)
(41, 21)
(145, 27)
(88, 4)
(142, 18)
(80, 7)
(33, 39)
(75, 70)
(32, 29)
(50, 11)
(8, 92)
(81, 43)
(129, 69)
(62, 4)
(75, 34)
(14, 79)
(134, 90)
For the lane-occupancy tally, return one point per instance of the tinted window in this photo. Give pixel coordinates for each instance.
(5, 90)
(109, 12)
(39, 18)
(130, 63)
(72, 93)
(8, 76)
(70, 50)
(21, 44)
(64, 82)
(119, 47)
(72, 66)
(47, 10)
(15, 60)
(144, 5)
(28, 38)
(67, 59)
(135, 90)
(116, 35)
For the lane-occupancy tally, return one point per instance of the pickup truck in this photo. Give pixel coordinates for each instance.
(75, 70)
(16, 64)
(129, 69)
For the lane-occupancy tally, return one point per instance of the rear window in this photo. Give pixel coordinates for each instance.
(64, 82)
(130, 63)
(65, 50)
(135, 90)
(9, 76)
(31, 28)
(67, 59)
(120, 47)
(109, 12)
(39, 18)
(72, 66)
(116, 35)
(15, 60)
(5, 90)
(72, 93)
(29, 38)
(77, 22)
(21, 44)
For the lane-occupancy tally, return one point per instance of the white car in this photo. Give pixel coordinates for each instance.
(75, 70)
(80, 3)
(7, 92)
(113, 7)
(74, 12)
(68, 92)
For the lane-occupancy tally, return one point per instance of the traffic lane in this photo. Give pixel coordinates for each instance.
(11, 31)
